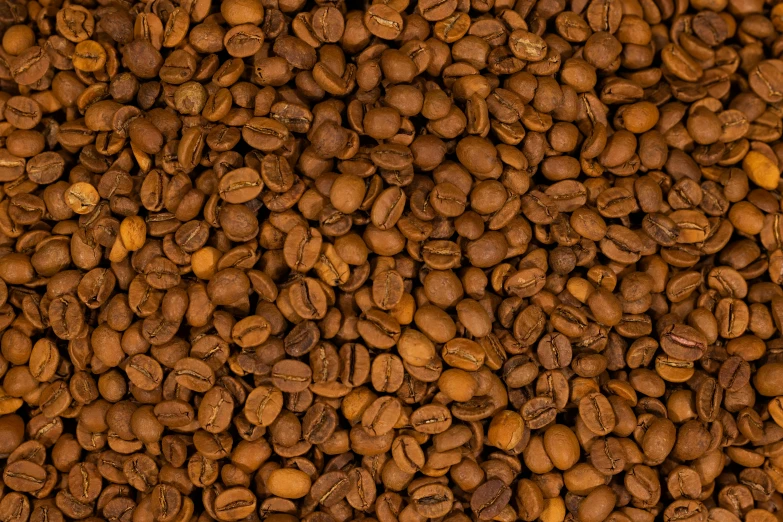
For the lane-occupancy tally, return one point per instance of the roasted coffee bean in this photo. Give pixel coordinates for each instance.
(194, 374)
(319, 423)
(263, 405)
(288, 483)
(683, 342)
(24, 476)
(489, 499)
(432, 500)
(235, 504)
(539, 412)
(330, 488)
(431, 419)
(596, 412)
(383, 21)
(144, 372)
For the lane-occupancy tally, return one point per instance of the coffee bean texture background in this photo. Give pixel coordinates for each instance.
(391, 260)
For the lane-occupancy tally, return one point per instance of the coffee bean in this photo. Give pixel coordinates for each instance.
(432, 500)
(214, 413)
(264, 133)
(263, 405)
(194, 374)
(330, 488)
(383, 21)
(288, 483)
(597, 414)
(235, 504)
(683, 342)
(490, 499)
(22, 112)
(144, 372)
(538, 412)
(24, 476)
(29, 66)
(527, 46)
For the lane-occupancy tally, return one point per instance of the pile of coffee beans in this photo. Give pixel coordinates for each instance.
(391, 260)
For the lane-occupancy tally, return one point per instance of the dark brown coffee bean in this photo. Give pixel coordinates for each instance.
(194, 374)
(734, 373)
(383, 21)
(215, 410)
(597, 413)
(29, 66)
(264, 134)
(144, 372)
(24, 476)
(235, 504)
(22, 112)
(539, 412)
(683, 342)
(263, 405)
(527, 46)
(302, 248)
(319, 423)
(432, 500)
(490, 499)
(70, 506)
(330, 488)
(84, 482)
(240, 186)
